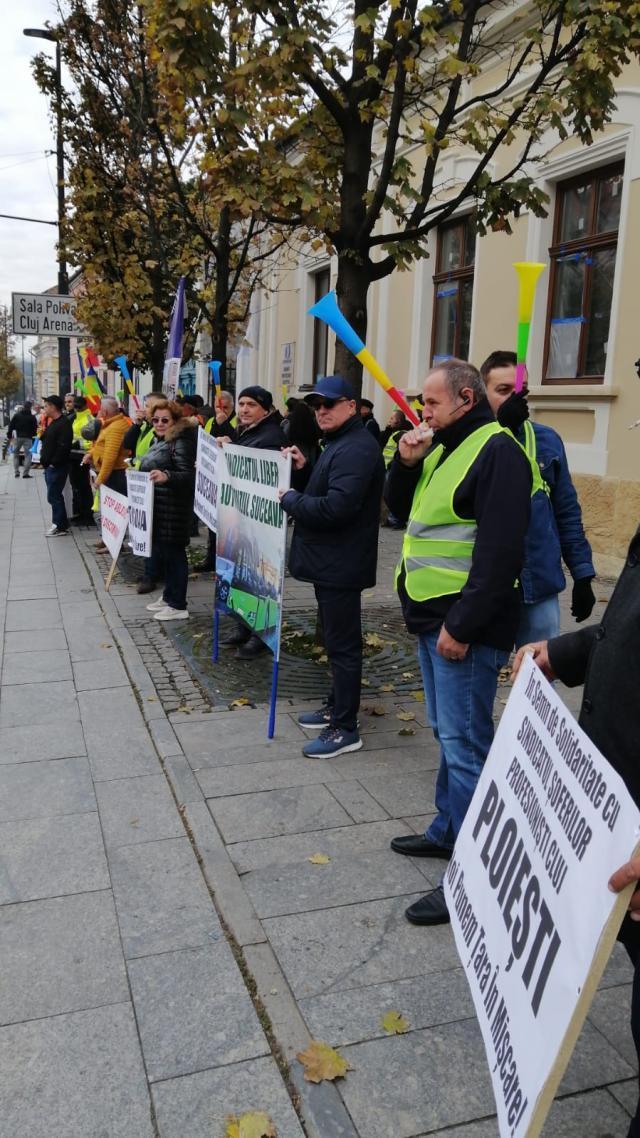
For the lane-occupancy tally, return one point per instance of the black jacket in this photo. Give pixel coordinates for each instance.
(605, 657)
(23, 425)
(56, 443)
(335, 540)
(496, 493)
(173, 500)
(265, 435)
(131, 439)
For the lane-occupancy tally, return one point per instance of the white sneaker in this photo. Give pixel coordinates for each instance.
(156, 605)
(55, 532)
(167, 613)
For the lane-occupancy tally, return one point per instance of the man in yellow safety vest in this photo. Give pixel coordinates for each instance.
(466, 495)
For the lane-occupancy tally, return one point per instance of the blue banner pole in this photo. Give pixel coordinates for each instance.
(216, 626)
(274, 696)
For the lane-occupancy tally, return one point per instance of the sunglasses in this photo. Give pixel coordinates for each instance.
(161, 420)
(328, 404)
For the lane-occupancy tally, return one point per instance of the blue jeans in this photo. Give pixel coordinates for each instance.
(459, 696)
(55, 478)
(539, 621)
(172, 561)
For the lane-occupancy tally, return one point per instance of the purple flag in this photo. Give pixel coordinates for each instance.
(173, 357)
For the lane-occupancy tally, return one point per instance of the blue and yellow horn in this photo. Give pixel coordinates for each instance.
(327, 309)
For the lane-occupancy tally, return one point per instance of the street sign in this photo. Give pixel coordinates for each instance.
(45, 314)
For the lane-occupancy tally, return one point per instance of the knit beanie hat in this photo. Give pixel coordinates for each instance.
(259, 395)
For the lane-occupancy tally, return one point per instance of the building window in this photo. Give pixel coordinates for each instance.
(453, 287)
(583, 261)
(321, 285)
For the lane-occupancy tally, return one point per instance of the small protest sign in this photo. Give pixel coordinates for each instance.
(533, 919)
(252, 531)
(140, 503)
(114, 519)
(206, 492)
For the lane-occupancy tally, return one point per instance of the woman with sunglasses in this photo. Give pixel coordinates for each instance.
(171, 462)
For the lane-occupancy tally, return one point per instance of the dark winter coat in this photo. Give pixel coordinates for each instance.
(335, 540)
(173, 500)
(56, 443)
(265, 435)
(23, 425)
(556, 532)
(496, 494)
(605, 657)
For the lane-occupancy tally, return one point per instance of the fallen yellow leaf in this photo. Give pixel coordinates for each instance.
(374, 709)
(319, 859)
(241, 702)
(373, 640)
(322, 1062)
(407, 716)
(418, 696)
(408, 675)
(406, 731)
(395, 1023)
(387, 687)
(253, 1124)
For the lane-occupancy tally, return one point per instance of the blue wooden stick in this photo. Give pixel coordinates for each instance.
(274, 696)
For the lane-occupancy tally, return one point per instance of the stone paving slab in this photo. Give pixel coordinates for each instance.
(594, 1063)
(134, 810)
(357, 801)
(33, 742)
(161, 899)
(36, 667)
(287, 811)
(32, 615)
(37, 591)
(48, 640)
(108, 672)
(89, 640)
(74, 1076)
(49, 857)
(193, 1011)
(592, 1115)
(357, 945)
(274, 774)
(233, 729)
(44, 789)
(217, 757)
(609, 1012)
(355, 1015)
(345, 841)
(197, 1106)
(60, 955)
(40, 702)
(118, 742)
(402, 795)
(303, 886)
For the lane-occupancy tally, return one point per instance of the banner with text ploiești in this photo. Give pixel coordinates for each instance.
(206, 491)
(251, 543)
(532, 915)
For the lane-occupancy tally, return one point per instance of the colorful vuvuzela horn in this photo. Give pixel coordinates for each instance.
(327, 309)
(214, 367)
(528, 273)
(121, 361)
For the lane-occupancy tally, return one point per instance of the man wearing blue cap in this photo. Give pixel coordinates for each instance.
(335, 546)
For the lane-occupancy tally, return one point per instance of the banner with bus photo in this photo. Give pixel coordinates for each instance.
(251, 542)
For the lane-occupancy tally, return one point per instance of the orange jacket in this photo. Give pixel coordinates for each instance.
(108, 453)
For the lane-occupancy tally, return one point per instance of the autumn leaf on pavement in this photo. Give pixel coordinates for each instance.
(253, 1124)
(418, 696)
(322, 1062)
(394, 1023)
(374, 709)
(387, 687)
(241, 702)
(408, 675)
(319, 859)
(406, 731)
(407, 716)
(373, 640)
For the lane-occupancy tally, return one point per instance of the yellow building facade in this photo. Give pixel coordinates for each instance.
(462, 300)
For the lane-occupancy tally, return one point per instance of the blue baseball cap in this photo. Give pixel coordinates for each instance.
(331, 387)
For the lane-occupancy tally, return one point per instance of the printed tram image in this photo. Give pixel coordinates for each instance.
(248, 583)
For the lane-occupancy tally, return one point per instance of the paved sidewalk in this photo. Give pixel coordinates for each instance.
(125, 1010)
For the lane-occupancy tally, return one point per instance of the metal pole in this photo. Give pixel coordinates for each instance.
(24, 378)
(64, 357)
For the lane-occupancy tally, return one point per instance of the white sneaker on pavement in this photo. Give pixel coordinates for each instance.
(55, 532)
(156, 605)
(167, 613)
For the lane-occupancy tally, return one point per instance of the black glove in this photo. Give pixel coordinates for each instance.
(514, 411)
(582, 599)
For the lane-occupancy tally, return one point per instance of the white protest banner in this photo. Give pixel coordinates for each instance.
(206, 492)
(252, 533)
(140, 502)
(114, 519)
(526, 888)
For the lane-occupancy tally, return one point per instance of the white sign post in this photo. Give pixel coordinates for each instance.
(114, 519)
(533, 919)
(205, 501)
(45, 314)
(140, 503)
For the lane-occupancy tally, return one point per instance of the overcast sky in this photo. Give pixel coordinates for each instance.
(27, 169)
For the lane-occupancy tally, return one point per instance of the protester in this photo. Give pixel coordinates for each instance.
(79, 476)
(108, 453)
(69, 410)
(335, 546)
(301, 430)
(171, 463)
(556, 532)
(54, 457)
(23, 428)
(223, 423)
(259, 430)
(140, 436)
(605, 658)
(467, 499)
(398, 426)
(366, 412)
